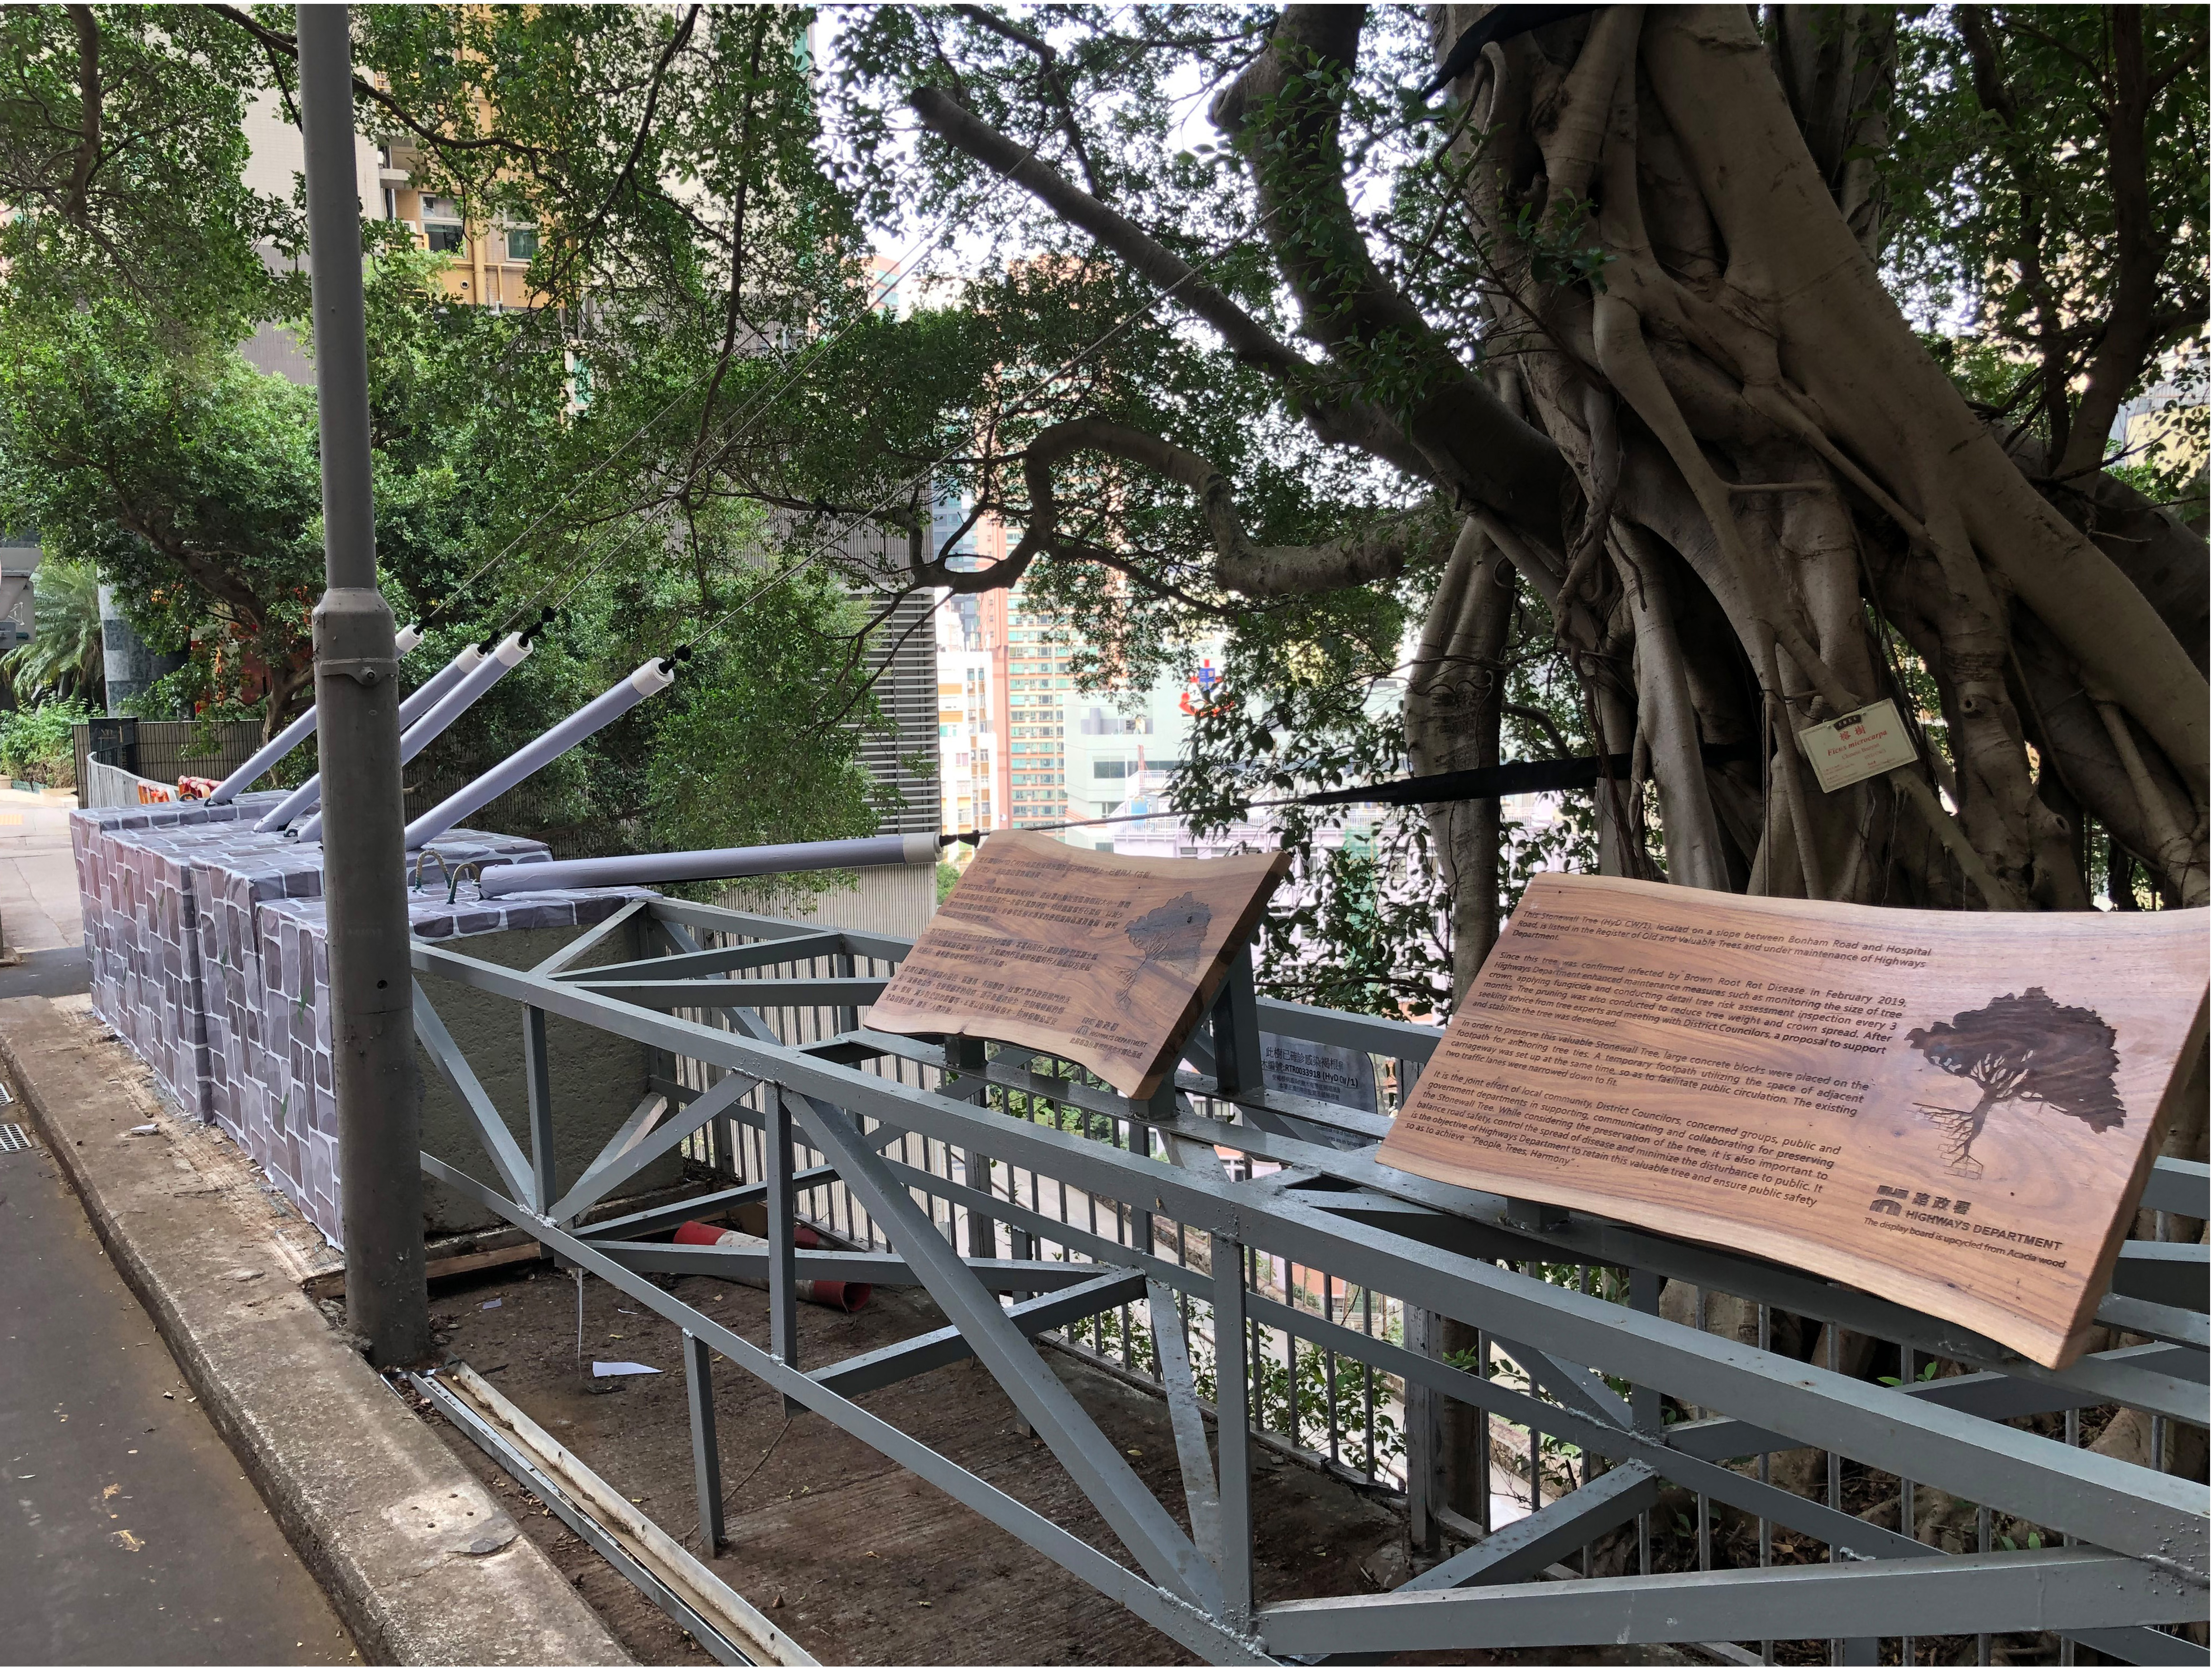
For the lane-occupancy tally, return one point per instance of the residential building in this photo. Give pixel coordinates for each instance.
(489, 267)
(20, 555)
(2165, 421)
(1019, 745)
(1123, 751)
(967, 743)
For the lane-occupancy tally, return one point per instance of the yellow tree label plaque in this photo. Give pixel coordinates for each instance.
(1953, 1110)
(1104, 959)
(1872, 740)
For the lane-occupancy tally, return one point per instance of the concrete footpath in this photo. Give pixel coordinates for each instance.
(38, 913)
(38, 876)
(418, 1558)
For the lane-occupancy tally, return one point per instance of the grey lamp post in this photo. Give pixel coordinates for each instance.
(357, 693)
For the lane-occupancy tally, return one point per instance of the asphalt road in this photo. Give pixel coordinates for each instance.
(48, 972)
(128, 1535)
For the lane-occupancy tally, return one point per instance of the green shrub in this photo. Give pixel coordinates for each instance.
(37, 743)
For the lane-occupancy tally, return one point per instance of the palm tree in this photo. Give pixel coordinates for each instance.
(63, 657)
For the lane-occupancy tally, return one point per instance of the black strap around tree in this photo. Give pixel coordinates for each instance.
(1498, 23)
(1502, 780)
(1445, 788)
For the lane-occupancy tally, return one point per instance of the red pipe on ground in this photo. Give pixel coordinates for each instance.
(844, 1295)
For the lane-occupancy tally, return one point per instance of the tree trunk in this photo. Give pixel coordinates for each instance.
(1789, 448)
(1454, 696)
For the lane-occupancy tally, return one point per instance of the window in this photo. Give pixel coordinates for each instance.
(446, 237)
(1109, 769)
(522, 243)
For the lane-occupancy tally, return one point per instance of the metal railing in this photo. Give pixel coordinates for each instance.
(1239, 1251)
(162, 749)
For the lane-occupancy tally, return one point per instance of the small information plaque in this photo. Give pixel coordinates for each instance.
(1104, 959)
(1871, 741)
(1953, 1110)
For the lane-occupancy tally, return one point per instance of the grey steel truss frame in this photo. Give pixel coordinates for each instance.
(2129, 1550)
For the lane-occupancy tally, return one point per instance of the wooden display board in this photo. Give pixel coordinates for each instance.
(1104, 959)
(1956, 1111)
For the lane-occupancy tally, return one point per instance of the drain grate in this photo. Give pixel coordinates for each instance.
(13, 1138)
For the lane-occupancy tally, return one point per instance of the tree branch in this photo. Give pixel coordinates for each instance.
(1338, 420)
(278, 42)
(1283, 112)
(1053, 76)
(1984, 52)
(2118, 360)
(737, 235)
(1378, 552)
(629, 174)
(89, 98)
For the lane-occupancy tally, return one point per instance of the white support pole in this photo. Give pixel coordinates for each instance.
(649, 679)
(309, 793)
(489, 669)
(732, 863)
(274, 752)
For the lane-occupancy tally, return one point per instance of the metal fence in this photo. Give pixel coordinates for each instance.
(1346, 1416)
(163, 750)
(1239, 1251)
(104, 787)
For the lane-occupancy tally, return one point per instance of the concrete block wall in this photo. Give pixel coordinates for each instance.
(208, 944)
(146, 875)
(279, 1101)
(132, 873)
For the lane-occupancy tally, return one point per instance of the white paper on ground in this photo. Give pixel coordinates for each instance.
(622, 1369)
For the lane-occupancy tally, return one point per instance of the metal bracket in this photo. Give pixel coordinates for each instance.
(367, 673)
(1535, 1217)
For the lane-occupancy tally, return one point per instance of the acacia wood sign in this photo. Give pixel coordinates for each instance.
(1957, 1111)
(1105, 959)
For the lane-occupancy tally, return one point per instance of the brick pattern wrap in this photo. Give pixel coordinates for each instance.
(208, 957)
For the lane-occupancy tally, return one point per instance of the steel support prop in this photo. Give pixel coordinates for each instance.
(2074, 1586)
(1093, 1462)
(537, 1091)
(1201, 1496)
(447, 1060)
(1179, 1619)
(1431, 1247)
(706, 1441)
(2095, 1498)
(782, 1240)
(1231, 1371)
(379, 1096)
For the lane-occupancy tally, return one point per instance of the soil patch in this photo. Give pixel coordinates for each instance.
(855, 1557)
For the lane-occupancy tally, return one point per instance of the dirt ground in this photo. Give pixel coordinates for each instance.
(856, 1559)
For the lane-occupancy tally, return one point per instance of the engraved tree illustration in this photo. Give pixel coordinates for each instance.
(1174, 934)
(2022, 1048)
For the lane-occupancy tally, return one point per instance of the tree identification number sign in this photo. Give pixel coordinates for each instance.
(1956, 1111)
(1871, 741)
(1104, 959)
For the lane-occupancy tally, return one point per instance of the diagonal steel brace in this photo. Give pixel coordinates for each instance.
(499, 1142)
(1142, 1524)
